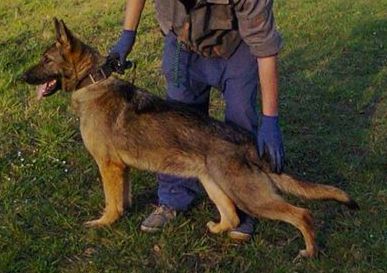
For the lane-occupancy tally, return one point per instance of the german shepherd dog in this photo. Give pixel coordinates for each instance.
(123, 126)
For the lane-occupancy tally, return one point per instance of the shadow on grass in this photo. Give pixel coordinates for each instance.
(332, 95)
(330, 101)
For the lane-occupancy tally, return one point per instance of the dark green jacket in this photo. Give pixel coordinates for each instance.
(216, 30)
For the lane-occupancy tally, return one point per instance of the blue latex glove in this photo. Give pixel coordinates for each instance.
(123, 46)
(269, 141)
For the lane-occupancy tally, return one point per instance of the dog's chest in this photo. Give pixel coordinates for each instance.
(95, 133)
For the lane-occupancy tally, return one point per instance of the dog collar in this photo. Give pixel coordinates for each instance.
(104, 77)
(103, 72)
(95, 76)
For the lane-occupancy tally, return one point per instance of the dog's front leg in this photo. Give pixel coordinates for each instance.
(116, 186)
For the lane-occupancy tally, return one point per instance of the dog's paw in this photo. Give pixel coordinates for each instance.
(96, 223)
(92, 224)
(105, 220)
(213, 227)
(304, 254)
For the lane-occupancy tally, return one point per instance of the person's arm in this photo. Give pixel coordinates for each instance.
(124, 45)
(269, 136)
(133, 12)
(268, 75)
(257, 28)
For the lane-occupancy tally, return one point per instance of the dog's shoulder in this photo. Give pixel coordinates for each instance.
(140, 100)
(145, 102)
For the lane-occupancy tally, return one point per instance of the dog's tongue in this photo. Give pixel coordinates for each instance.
(40, 90)
(45, 89)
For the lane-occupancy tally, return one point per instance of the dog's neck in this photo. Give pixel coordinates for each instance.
(95, 74)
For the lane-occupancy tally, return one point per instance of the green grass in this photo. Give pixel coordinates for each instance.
(334, 122)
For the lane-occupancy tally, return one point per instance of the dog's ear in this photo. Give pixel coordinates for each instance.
(64, 37)
(57, 28)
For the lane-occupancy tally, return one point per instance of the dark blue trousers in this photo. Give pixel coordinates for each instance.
(189, 80)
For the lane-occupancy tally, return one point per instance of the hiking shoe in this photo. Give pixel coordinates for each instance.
(158, 218)
(243, 232)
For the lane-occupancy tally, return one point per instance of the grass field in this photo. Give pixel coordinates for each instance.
(333, 117)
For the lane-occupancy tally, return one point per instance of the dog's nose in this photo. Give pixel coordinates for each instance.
(23, 77)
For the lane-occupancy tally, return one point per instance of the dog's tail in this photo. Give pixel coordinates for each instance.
(308, 190)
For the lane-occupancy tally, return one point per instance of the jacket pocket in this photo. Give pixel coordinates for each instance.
(210, 29)
(220, 17)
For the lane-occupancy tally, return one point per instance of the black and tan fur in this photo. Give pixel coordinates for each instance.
(123, 126)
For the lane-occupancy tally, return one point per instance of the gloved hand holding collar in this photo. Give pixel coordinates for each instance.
(123, 46)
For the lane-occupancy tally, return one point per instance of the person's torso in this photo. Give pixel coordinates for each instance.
(171, 13)
(207, 27)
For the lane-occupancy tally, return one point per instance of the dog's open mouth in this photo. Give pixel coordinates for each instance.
(47, 88)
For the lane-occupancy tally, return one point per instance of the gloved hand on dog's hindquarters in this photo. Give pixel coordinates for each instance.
(123, 46)
(269, 140)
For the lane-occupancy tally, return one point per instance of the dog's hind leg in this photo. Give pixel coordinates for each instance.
(228, 216)
(298, 217)
(116, 187)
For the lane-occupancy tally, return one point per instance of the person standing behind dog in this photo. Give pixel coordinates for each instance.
(214, 43)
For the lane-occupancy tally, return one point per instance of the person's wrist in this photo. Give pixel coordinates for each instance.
(128, 34)
(270, 107)
(269, 120)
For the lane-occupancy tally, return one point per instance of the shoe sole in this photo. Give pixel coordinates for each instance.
(149, 229)
(239, 236)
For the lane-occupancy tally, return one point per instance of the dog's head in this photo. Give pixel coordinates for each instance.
(63, 65)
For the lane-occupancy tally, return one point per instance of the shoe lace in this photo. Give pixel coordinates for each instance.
(161, 210)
